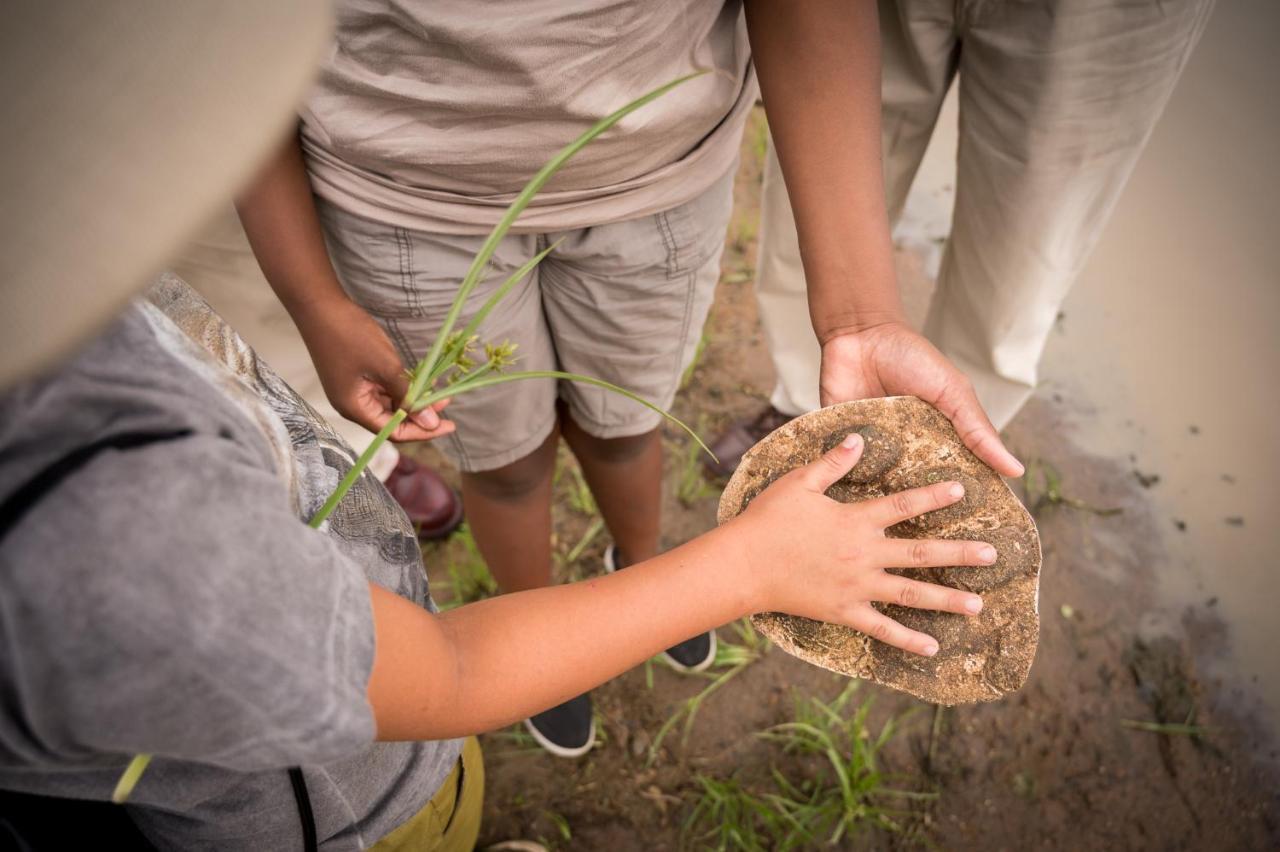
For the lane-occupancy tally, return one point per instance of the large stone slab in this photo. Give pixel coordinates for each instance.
(909, 443)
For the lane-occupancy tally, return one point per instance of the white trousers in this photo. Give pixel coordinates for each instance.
(220, 266)
(1057, 99)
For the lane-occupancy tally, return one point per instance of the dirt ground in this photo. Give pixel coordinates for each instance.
(1060, 764)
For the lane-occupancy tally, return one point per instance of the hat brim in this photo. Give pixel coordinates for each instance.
(127, 125)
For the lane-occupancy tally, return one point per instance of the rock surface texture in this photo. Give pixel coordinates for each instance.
(909, 443)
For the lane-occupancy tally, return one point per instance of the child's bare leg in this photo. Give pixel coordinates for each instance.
(625, 475)
(509, 511)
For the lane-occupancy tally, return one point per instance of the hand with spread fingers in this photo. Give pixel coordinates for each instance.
(818, 558)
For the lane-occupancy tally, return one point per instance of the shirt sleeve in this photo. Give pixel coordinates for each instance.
(164, 599)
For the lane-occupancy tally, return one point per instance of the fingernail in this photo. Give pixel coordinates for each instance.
(987, 554)
(851, 440)
(956, 490)
(973, 605)
(929, 650)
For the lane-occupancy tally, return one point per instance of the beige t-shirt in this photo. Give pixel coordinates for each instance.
(433, 115)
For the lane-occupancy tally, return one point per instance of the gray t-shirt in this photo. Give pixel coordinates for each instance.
(159, 593)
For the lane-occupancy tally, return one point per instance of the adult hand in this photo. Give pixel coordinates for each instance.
(822, 559)
(361, 371)
(890, 359)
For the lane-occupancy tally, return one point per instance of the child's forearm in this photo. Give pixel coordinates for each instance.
(279, 217)
(819, 69)
(491, 663)
(794, 550)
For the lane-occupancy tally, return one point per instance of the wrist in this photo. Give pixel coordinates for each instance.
(858, 323)
(317, 311)
(754, 570)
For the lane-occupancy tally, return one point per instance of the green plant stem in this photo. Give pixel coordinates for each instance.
(356, 469)
(508, 219)
(498, 295)
(449, 356)
(129, 779)
(469, 385)
(593, 530)
(1186, 730)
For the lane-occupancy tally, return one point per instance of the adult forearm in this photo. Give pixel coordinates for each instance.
(819, 69)
(279, 217)
(514, 655)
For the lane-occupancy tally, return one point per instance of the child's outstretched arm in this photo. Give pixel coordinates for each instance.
(359, 367)
(794, 550)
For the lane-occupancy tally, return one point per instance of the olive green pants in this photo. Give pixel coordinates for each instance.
(450, 822)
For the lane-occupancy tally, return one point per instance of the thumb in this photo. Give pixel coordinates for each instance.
(395, 382)
(832, 465)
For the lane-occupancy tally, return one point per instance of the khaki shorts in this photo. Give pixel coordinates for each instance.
(623, 302)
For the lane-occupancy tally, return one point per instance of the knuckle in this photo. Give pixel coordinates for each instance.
(909, 594)
(902, 503)
(880, 631)
(919, 554)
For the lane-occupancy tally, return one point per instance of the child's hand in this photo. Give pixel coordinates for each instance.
(825, 560)
(362, 373)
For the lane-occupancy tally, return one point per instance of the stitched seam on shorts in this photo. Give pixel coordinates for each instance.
(398, 338)
(692, 279)
(413, 299)
(668, 240)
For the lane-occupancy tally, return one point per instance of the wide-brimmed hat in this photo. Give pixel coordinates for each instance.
(126, 125)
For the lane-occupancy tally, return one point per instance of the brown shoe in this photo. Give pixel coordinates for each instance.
(432, 506)
(731, 444)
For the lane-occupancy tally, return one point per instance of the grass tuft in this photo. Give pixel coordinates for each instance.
(692, 486)
(1043, 484)
(732, 658)
(845, 793)
(469, 577)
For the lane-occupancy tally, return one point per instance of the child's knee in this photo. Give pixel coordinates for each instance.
(615, 450)
(519, 480)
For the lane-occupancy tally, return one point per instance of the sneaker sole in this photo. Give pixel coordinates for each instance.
(559, 750)
(610, 567)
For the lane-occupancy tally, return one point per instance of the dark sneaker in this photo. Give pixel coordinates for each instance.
(691, 655)
(730, 445)
(434, 508)
(566, 730)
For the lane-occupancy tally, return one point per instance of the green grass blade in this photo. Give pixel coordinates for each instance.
(446, 358)
(499, 294)
(357, 469)
(597, 524)
(1165, 727)
(129, 778)
(508, 219)
(464, 386)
